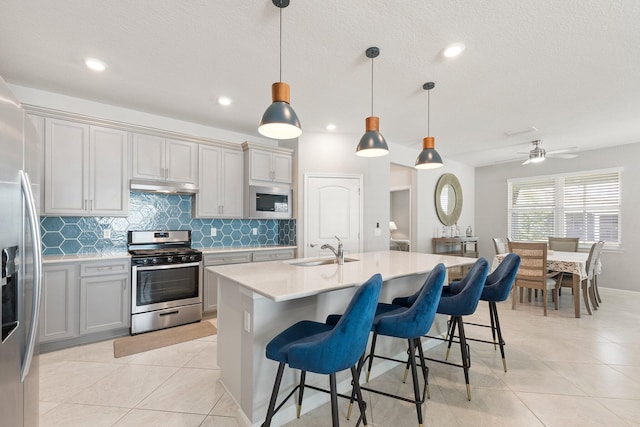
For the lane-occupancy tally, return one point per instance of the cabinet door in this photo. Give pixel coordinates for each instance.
(104, 303)
(58, 309)
(261, 165)
(232, 186)
(210, 292)
(147, 160)
(181, 161)
(282, 168)
(208, 198)
(272, 255)
(66, 168)
(109, 160)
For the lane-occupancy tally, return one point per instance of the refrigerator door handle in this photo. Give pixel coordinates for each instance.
(37, 271)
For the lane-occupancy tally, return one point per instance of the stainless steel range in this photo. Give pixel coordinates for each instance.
(166, 280)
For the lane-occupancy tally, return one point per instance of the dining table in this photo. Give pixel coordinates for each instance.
(574, 263)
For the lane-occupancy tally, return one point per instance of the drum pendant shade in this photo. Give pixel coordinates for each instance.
(280, 121)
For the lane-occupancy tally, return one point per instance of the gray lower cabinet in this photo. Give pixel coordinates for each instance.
(104, 302)
(58, 305)
(210, 285)
(84, 302)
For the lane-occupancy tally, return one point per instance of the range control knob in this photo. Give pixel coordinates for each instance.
(154, 261)
(169, 259)
(183, 258)
(192, 257)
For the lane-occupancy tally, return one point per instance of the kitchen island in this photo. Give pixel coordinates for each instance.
(258, 301)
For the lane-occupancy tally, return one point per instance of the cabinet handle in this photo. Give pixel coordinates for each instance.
(91, 204)
(85, 204)
(104, 268)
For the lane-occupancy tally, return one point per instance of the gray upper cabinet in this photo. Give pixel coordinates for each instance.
(85, 170)
(220, 174)
(267, 164)
(157, 158)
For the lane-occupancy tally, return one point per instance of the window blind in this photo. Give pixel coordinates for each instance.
(585, 205)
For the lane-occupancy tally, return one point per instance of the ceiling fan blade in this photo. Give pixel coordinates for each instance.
(526, 162)
(562, 150)
(562, 155)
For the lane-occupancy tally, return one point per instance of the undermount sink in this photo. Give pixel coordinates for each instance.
(320, 261)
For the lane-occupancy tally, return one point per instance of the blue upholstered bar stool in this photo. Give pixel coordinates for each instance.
(462, 302)
(326, 349)
(496, 289)
(408, 323)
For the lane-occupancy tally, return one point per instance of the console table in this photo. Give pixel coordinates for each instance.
(459, 246)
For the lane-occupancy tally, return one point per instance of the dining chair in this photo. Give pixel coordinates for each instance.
(588, 284)
(596, 274)
(564, 244)
(532, 273)
(500, 245)
(326, 349)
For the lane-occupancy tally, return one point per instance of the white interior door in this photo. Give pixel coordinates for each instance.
(333, 207)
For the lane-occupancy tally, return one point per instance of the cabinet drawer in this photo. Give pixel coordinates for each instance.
(272, 255)
(102, 268)
(227, 258)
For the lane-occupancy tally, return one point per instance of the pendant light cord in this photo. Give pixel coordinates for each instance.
(280, 44)
(428, 112)
(372, 86)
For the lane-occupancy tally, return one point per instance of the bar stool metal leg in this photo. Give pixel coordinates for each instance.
(303, 375)
(274, 396)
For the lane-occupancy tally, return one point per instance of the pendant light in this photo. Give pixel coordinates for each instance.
(428, 157)
(279, 121)
(372, 143)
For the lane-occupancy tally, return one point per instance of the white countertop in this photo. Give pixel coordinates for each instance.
(228, 249)
(282, 280)
(94, 256)
(123, 254)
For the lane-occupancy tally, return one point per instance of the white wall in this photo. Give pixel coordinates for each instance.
(491, 205)
(327, 152)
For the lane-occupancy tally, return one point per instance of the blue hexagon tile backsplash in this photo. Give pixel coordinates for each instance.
(152, 211)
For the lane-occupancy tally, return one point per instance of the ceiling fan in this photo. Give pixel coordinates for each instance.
(538, 154)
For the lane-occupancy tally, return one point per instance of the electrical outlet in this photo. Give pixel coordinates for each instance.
(247, 321)
(214, 231)
(254, 231)
(106, 233)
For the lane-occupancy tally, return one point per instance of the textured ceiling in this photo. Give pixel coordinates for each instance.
(570, 68)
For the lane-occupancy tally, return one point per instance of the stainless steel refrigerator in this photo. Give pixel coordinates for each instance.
(21, 263)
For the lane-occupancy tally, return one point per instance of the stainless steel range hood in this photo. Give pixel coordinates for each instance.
(163, 186)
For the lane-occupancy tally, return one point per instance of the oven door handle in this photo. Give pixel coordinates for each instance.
(166, 267)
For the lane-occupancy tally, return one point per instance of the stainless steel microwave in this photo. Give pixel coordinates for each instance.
(270, 202)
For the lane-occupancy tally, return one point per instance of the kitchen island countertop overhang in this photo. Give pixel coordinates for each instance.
(284, 280)
(257, 301)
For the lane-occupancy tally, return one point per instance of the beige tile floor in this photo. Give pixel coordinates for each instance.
(562, 371)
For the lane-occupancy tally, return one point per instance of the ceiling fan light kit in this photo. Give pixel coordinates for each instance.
(280, 121)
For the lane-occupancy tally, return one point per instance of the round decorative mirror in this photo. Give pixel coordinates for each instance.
(448, 199)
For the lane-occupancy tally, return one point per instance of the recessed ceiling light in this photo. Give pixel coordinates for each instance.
(95, 64)
(224, 100)
(331, 126)
(453, 50)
